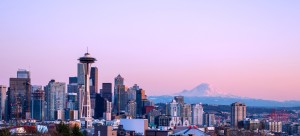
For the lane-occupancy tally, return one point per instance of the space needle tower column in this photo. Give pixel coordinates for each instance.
(85, 104)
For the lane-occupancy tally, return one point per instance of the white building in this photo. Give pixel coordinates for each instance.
(55, 98)
(273, 126)
(197, 114)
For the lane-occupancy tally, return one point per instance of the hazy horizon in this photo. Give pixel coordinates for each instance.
(244, 48)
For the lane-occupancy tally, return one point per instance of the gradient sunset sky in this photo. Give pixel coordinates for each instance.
(246, 48)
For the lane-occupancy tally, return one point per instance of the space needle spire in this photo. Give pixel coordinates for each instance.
(85, 100)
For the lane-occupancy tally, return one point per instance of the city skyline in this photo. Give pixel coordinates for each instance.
(240, 48)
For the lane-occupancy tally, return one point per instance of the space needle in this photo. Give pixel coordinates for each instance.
(85, 100)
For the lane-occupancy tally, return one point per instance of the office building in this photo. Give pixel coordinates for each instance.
(131, 108)
(162, 120)
(120, 95)
(197, 114)
(94, 81)
(2, 101)
(23, 73)
(19, 96)
(38, 105)
(73, 94)
(72, 101)
(209, 119)
(187, 114)
(132, 92)
(106, 91)
(174, 108)
(93, 88)
(55, 95)
(103, 106)
(140, 96)
(238, 113)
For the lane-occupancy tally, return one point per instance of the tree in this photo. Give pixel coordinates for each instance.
(4, 132)
(76, 131)
(63, 129)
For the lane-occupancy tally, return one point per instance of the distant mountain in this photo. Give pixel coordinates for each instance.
(203, 90)
(203, 94)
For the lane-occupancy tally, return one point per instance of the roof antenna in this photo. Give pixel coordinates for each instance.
(87, 49)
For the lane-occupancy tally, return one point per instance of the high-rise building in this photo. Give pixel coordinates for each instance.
(38, 105)
(174, 108)
(19, 97)
(187, 114)
(72, 101)
(73, 80)
(238, 113)
(132, 92)
(103, 106)
(140, 96)
(197, 114)
(180, 101)
(73, 92)
(106, 91)
(131, 108)
(93, 88)
(55, 95)
(84, 69)
(23, 73)
(209, 119)
(94, 81)
(2, 101)
(120, 95)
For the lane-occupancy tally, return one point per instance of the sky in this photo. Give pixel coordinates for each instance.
(244, 48)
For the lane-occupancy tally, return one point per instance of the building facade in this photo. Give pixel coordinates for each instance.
(19, 98)
(38, 105)
(197, 114)
(106, 91)
(2, 101)
(55, 95)
(238, 113)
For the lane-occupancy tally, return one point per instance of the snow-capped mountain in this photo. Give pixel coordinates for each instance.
(204, 94)
(204, 90)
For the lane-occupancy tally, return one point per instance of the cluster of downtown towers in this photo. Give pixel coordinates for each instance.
(58, 101)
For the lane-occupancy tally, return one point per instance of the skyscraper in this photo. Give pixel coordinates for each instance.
(19, 96)
(187, 114)
(131, 108)
(55, 95)
(120, 95)
(38, 105)
(102, 107)
(93, 88)
(132, 92)
(2, 101)
(238, 113)
(23, 73)
(84, 74)
(106, 91)
(94, 81)
(197, 114)
(73, 94)
(174, 109)
(140, 96)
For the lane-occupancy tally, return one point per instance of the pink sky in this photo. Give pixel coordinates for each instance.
(246, 48)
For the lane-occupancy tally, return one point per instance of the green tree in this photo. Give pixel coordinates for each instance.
(63, 129)
(76, 131)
